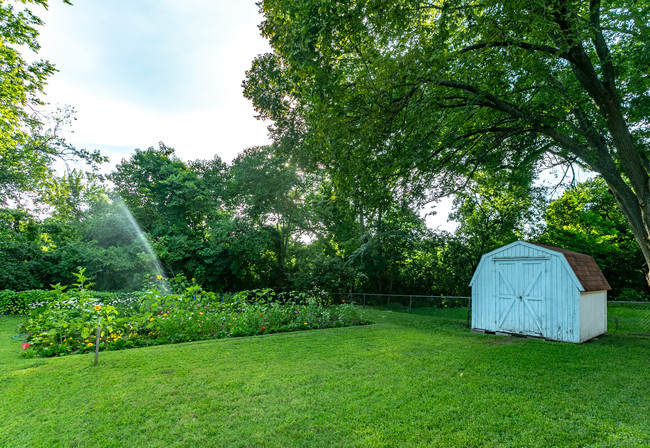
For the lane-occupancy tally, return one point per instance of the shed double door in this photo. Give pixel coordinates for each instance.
(520, 295)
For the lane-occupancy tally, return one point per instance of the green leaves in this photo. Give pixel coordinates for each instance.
(587, 219)
(409, 99)
(85, 332)
(20, 82)
(30, 138)
(393, 87)
(83, 282)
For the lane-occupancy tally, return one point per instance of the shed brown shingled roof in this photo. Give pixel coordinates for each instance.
(585, 267)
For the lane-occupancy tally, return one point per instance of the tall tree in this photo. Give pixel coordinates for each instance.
(171, 200)
(73, 193)
(271, 192)
(20, 250)
(494, 210)
(30, 139)
(384, 242)
(422, 93)
(21, 82)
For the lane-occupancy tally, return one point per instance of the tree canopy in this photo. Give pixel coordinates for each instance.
(30, 138)
(586, 219)
(419, 95)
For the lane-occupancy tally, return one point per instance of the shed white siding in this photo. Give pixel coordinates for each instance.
(526, 289)
(593, 314)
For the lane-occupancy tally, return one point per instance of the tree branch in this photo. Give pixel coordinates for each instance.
(524, 45)
(601, 48)
(497, 103)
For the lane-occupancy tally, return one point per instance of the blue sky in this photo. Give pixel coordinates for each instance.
(143, 71)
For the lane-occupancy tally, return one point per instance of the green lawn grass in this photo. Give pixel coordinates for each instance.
(406, 380)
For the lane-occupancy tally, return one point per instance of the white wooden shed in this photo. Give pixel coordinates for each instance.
(536, 290)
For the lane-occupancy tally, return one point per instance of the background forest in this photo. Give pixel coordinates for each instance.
(365, 136)
(263, 222)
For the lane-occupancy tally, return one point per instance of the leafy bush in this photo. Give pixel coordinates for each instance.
(268, 295)
(255, 296)
(125, 303)
(8, 302)
(631, 295)
(20, 302)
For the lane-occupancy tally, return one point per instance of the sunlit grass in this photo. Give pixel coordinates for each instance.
(407, 380)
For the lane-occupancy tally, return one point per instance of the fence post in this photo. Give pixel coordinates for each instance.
(410, 302)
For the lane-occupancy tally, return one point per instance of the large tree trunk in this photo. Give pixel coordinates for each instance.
(633, 200)
(628, 202)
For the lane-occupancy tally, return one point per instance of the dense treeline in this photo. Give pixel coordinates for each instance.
(262, 222)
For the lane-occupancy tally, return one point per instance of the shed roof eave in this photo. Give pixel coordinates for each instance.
(551, 252)
(585, 269)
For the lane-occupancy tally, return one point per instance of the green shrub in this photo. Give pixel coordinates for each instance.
(8, 303)
(20, 302)
(125, 302)
(631, 295)
(268, 295)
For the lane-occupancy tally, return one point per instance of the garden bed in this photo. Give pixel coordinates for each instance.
(67, 323)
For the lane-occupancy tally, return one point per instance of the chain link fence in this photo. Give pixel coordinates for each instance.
(406, 301)
(623, 318)
(413, 302)
(628, 318)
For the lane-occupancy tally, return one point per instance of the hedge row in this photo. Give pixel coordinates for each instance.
(20, 302)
